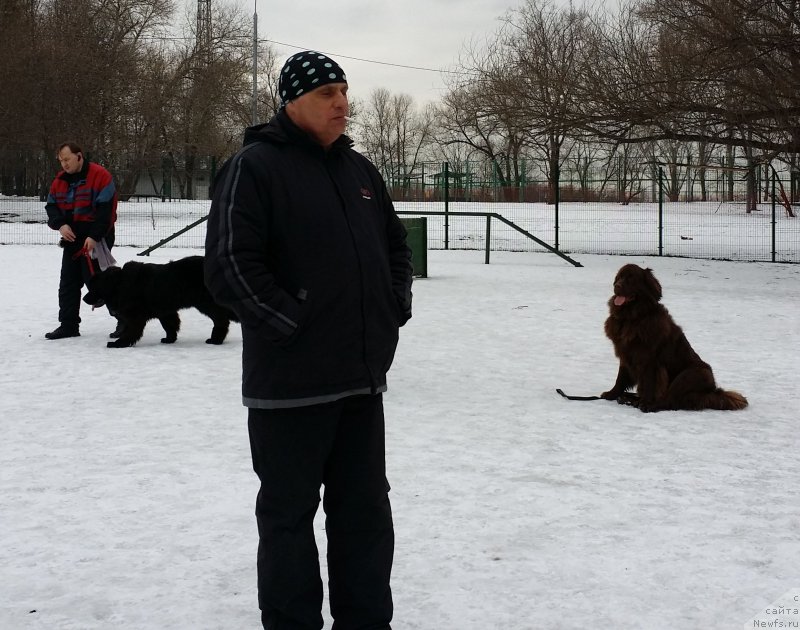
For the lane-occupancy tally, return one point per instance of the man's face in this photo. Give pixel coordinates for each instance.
(321, 112)
(70, 162)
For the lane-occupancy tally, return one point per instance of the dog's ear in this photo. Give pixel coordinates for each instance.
(94, 300)
(652, 284)
(94, 288)
(104, 284)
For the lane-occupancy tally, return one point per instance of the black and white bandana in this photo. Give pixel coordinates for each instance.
(307, 71)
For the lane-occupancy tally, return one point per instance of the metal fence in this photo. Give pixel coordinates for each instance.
(642, 218)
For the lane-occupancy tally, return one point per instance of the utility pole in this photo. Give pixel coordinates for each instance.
(203, 35)
(255, 63)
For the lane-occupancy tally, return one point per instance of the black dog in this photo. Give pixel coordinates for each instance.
(139, 292)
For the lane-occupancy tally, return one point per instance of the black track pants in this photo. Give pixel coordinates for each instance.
(339, 445)
(75, 272)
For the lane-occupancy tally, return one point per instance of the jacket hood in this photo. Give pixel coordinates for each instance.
(281, 130)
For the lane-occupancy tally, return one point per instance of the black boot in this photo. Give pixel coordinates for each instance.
(62, 332)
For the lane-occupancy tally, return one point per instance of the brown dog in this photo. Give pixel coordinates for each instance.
(654, 354)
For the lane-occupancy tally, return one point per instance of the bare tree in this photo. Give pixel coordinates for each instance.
(674, 156)
(533, 74)
(699, 71)
(393, 135)
(592, 163)
(466, 117)
(78, 62)
(19, 168)
(630, 167)
(268, 73)
(104, 72)
(209, 94)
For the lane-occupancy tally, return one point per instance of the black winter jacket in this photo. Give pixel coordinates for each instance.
(305, 246)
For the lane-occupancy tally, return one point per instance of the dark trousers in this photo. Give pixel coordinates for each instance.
(295, 451)
(75, 272)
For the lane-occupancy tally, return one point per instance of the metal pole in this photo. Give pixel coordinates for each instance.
(774, 175)
(689, 181)
(447, 205)
(255, 63)
(557, 198)
(488, 236)
(660, 210)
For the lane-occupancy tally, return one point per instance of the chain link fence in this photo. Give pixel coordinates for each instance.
(724, 213)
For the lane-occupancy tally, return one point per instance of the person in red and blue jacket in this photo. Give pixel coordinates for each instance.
(82, 206)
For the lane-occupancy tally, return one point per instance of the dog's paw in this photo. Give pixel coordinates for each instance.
(627, 398)
(117, 344)
(169, 340)
(214, 342)
(650, 408)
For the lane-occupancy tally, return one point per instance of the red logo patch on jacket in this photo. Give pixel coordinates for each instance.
(365, 193)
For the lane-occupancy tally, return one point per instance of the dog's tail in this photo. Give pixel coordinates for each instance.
(726, 400)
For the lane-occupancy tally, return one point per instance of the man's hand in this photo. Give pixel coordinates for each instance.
(66, 233)
(88, 244)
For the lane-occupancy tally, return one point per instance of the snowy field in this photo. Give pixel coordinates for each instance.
(127, 495)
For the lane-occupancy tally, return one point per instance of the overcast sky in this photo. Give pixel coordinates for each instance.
(421, 33)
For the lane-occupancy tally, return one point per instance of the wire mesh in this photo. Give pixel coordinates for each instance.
(703, 221)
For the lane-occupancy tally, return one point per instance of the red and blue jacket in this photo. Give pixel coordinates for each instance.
(86, 201)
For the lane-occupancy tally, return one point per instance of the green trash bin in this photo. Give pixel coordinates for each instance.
(417, 240)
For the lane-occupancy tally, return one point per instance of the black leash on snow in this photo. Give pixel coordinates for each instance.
(577, 397)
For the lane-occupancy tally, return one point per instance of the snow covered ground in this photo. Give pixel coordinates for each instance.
(126, 496)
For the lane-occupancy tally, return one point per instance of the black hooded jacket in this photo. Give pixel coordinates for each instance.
(305, 246)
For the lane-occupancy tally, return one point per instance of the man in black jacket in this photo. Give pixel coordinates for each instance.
(304, 245)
